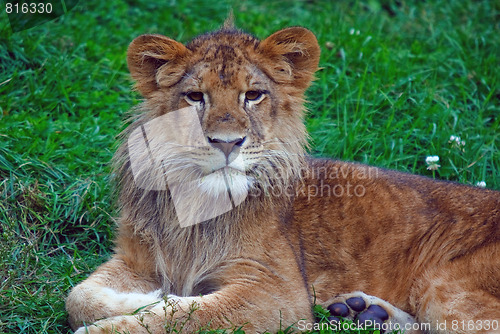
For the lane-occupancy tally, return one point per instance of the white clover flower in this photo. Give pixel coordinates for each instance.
(432, 162)
(431, 159)
(353, 31)
(457, 142)
(481, 184)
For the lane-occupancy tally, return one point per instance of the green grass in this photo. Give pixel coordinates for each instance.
(398, 79)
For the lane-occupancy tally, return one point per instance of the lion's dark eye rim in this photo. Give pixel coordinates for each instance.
(253, 95)
(195, 96)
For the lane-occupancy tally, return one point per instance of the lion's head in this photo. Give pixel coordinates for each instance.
(223, 113)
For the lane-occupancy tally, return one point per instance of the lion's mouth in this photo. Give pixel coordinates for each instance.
(228, 169)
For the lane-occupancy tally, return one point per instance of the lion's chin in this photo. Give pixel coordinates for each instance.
(210, 196)
(225, 180)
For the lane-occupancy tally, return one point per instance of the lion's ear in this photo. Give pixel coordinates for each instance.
(294, 54)
(155, 61)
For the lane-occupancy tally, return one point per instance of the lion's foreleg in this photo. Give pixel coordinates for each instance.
(113, 289)
(257, 306)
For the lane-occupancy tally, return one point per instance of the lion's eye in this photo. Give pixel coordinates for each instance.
(253, 95)
(195, 96)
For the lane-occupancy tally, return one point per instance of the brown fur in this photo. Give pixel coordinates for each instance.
(430, 248)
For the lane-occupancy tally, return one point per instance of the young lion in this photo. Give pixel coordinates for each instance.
(236, 226)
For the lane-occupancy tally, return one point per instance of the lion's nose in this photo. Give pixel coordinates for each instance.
(227, 147)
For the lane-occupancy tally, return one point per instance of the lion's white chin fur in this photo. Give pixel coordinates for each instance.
(210, 196)
(223, 180)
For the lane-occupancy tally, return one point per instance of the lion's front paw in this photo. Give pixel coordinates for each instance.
(371, 311)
